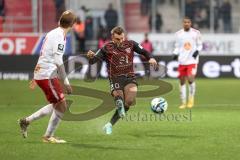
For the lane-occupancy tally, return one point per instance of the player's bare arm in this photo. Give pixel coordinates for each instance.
(32, 84)
(62, 73)
(95, 57)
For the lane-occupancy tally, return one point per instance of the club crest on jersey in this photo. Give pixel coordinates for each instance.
(128, 50)
(60, 47)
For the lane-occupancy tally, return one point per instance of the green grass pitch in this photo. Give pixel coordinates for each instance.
(211, 131)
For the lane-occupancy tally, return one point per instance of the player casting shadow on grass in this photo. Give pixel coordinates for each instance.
(118, 55)
(49, 67)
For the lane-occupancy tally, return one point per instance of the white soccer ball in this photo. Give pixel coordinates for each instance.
(159, 105)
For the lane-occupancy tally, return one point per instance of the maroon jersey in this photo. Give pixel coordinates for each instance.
(119, 59)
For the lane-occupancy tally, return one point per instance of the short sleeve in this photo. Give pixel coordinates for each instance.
(58, 45)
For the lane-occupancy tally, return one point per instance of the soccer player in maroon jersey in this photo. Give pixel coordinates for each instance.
(118, 55)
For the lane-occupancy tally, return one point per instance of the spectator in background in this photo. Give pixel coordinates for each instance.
(102, 37)
(2, 8)
(111, 17)
(103, 40)
(81, 13)
(147, 45)
(101, 29)
(160, 2)
(145, 7)
(79, 32)
(89, 25)
(158, 22)
(226, 14)
(60, 8)
(1, 24)
(202, 17)
(216, 16)
(190, 10)
(2, 14)
(206, 14)
(172, 2)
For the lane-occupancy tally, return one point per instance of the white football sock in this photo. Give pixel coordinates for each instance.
(183, 93)
(192, 89)
(46, 110)
(53, 123)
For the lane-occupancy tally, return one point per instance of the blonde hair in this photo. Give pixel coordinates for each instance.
(67, 19)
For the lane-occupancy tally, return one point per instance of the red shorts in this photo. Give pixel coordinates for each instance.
(52, 89)
(187, 70)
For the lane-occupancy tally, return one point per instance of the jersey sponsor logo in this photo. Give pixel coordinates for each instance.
(187, 46)
(60, 47)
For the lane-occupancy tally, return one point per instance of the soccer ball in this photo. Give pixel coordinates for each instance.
(159, 105)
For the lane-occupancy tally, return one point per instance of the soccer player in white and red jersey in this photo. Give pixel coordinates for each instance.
(187, 47)
(49, 67)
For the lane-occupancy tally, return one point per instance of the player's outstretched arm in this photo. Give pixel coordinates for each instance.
(140, 50)
(95, 57)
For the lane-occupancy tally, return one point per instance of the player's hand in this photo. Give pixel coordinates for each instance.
(32, 84)
(195, 54)
(153, 63)
(68, 89)
(175, 57)
(90, 54)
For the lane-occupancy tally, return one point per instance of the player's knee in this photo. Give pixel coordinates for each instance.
(191, 80)
(182, 83)
(61, 106)
(129, 102)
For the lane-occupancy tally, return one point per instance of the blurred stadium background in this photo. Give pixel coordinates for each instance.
(23, 26)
